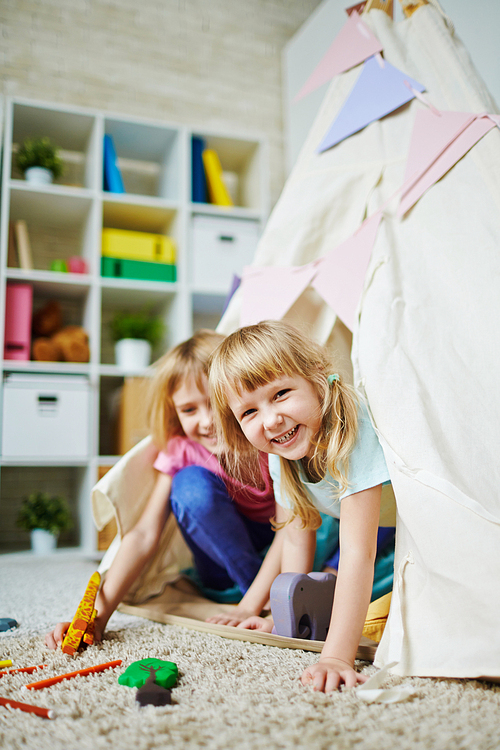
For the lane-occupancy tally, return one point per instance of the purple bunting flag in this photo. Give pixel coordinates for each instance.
(381, 88)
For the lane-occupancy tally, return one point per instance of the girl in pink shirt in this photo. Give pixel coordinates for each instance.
(226, 523)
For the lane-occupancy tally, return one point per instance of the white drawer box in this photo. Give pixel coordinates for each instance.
(221, 247)
(45, 416)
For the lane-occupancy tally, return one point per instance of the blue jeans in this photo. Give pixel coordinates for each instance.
(225, 544)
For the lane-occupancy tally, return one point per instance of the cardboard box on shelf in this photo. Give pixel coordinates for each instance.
(132, 413)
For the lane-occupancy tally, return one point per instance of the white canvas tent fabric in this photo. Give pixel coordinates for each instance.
(426, 345)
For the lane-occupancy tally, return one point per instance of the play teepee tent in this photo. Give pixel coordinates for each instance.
(426, 342)
(397, 227)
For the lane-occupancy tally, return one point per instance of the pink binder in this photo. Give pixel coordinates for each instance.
(18, 308)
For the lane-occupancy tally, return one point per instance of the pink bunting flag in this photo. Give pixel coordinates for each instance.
(341, 274)
(381, 88)
(439, 140)
(352, 45)
(268, 292)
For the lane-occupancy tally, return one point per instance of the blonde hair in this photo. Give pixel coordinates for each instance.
(188, 359)
(256, 355)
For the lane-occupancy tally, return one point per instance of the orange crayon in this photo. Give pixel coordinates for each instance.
(46, 713)
(28, 670)
(69, 675)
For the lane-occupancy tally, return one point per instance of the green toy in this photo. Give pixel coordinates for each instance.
(138, 672)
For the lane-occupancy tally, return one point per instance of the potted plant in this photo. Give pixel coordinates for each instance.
(38, 160)
(135, 334)
(44, 516)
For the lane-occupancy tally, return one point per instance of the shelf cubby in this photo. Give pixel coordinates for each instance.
(241, 160)
(148, 156)
(73, 132)
(59, 225)
(19, 481)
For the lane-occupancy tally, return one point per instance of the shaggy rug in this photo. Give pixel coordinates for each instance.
(230, 694)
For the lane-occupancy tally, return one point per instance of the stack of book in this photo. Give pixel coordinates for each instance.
(208, 181)
(137, 255)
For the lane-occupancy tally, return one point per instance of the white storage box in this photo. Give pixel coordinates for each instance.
(221, 247)
(45, 416)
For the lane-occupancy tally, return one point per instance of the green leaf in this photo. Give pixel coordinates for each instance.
(138, 672)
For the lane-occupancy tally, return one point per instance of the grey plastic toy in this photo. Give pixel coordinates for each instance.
(301, 604)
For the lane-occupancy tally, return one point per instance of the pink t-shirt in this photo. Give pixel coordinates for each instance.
(257, 504)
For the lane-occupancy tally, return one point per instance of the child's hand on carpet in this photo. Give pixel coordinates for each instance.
(265, 624)
(330, 673)
(229, 618)
(54, 639)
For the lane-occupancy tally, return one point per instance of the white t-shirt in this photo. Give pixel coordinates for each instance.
(367, 468)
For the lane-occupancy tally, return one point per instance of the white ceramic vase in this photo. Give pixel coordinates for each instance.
(132, 354)
(43, 542)
(38, 175)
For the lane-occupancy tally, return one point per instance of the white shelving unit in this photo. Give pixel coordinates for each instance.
(66, 219)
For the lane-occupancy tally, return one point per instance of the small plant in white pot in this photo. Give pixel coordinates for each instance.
(45, 517)
(135, 335)
(39, 161)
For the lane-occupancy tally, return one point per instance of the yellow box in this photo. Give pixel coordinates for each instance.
(122, 243)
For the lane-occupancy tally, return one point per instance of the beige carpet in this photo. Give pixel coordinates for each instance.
(230, 694)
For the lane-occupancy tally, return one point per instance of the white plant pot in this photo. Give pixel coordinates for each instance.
(43, 542)
(132, 354)
(39, 176)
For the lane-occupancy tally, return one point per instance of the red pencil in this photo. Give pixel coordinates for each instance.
(46, 713)
(60, 677)
(29, 670)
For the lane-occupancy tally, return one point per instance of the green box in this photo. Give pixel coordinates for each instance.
(122, 268)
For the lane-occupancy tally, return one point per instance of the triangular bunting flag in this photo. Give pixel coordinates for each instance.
(495, 119)
(432, 133)
(352, 45)
(438, 142)
(268, 292)
(341, 274)
(380, 89)
(358, 7)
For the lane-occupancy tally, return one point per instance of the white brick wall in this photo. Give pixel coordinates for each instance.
(212, 63)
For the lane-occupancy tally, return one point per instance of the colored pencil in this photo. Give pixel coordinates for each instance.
(28, 670)
(59, 678)
(46, 713)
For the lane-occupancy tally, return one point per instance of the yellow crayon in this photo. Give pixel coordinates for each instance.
(82, 617)
(5, 663)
